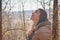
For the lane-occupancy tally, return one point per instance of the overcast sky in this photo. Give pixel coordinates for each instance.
(28, 5)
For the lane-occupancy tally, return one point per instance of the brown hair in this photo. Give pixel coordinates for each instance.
(43, 15)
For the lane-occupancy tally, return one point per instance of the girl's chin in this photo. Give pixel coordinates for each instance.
(31, 21)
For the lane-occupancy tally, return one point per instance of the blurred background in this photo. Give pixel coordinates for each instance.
(16, 16)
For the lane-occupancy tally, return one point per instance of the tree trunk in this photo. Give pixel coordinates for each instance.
(55, 20)
(0, 19)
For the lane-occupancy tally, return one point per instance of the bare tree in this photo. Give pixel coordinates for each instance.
(55, 20)
(24, 25)
(5, 5)
(0, 19)
(42, 3)
(49, 8)
(23, 12)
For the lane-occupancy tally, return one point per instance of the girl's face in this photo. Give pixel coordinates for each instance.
(35, 16)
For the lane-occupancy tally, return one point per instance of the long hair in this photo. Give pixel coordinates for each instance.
(43, 16)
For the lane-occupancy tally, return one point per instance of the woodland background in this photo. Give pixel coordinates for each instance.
(15, 23)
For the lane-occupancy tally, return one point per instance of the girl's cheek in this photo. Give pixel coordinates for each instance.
(32, 17)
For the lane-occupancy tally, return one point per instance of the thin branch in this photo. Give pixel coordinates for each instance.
(5, 5)
(13, 29)
(43, 4)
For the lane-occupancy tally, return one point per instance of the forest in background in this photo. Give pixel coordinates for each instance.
(14, 25)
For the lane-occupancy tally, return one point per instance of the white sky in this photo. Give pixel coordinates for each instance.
(28, 5)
